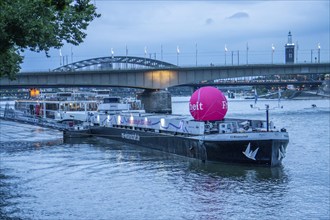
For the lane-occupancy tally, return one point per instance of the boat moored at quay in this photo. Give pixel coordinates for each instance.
(219, 141)
(204, 135)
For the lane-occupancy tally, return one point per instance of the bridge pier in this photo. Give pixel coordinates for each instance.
(325, 87)
(156, 101)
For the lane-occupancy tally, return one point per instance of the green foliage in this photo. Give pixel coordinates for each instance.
(40, 25)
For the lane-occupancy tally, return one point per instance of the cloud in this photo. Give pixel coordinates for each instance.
(210, 24)
(209, 21)
(239, 15)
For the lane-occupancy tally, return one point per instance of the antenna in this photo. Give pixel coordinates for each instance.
(267, 112)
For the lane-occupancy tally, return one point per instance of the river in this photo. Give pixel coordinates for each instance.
(43, 178)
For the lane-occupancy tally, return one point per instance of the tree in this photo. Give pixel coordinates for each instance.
(39, 25)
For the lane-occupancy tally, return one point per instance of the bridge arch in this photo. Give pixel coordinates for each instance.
(110, 62)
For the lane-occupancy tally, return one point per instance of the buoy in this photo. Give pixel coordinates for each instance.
(208, 104)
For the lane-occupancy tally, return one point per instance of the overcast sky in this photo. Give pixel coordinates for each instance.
(202, 26)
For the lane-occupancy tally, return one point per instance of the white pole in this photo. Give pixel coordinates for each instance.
(161, 52)
(226, 54)
(247, 53)
(196, 53)
(177, 59)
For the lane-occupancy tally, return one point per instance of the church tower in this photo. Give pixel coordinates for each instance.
(289, 50)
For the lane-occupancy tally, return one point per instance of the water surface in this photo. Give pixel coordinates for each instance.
(43, 178)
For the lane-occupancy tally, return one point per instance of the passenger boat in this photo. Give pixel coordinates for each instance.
(58, 110)
(204, 135)
(63, 106)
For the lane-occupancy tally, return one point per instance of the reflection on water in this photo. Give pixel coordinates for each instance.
(145, 183)
(256, 173)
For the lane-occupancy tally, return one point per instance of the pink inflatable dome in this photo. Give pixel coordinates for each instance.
(208, 104)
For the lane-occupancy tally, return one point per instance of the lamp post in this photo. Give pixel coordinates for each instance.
(311, 55)
(71, 55)
(297, 49)
(238, 57)
(247, 53)
(319, 51)
(226, 54)
(145, 55)
(196, 52)
(126, 56)
(273, 50)
(161, 52)
(112, 53)
(177, 55)
(60, 57)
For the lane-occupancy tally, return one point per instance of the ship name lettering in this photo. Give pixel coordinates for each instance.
(134, 137)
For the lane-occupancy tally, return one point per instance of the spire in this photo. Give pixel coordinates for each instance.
(289, 38)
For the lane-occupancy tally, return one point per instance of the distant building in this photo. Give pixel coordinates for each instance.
(289, 50)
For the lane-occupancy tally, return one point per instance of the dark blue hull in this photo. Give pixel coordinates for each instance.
(244, 149)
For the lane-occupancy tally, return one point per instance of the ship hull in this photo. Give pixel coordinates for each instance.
(264, 148)
(76, 133)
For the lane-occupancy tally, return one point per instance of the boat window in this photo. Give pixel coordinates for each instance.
(111, 100)
(64, 94)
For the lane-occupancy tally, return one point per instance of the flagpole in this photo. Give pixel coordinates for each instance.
(177, 55)
(60, 57)
(161, 52)
(247, 53)
(226, 55)
(319, 51)
(145, 55)
(71, 55)
(126, 56)
(297, 48)
(112, 53)
(196, 53)
(311, 55)
(238, 57)
(273, 49)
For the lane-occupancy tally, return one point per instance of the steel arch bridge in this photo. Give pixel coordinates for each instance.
(122, 62)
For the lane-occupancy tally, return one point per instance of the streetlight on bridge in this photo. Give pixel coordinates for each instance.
(61, 57)
(247, 53)
(112, 55)
(273, 50)
(145, 55)
(126, 56)
(319, 51)
(177, 55)
(297, 48)
(161, 52)
(226, 54)
(196, 52)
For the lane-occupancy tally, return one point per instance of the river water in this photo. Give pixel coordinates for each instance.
(43, 178)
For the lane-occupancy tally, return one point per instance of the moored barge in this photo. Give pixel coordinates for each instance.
(228, 140)
(205, 134)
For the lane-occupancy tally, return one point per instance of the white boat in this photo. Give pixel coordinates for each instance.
(61, 107)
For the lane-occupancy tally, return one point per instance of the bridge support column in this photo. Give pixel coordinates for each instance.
(156, 101)
(325, 87)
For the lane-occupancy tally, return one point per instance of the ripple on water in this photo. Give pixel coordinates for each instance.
(102, 179)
